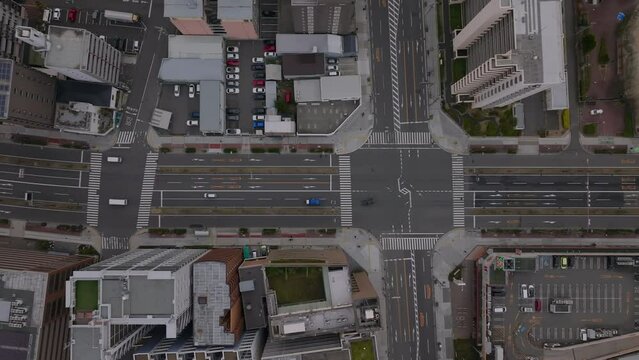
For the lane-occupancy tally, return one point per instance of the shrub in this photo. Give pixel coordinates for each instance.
(293, 150)
(472, 127)
(491, 129)
(512, 151)
(565, 119)
(190, 150)
(87, 250)
(273, 150)
(602, 56)
(588, 42)
(165, 150)
(628, 122)
(243, 231)
(44, 245)
(257, 150)
(4, 221)
(230, 150)
(179, 231)
(269, 231)
(159, 231)
(590, 129)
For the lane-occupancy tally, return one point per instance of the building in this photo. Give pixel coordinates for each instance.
(75, 53)
(217, 308)
(27, 96)
(13, 15)
(32, 297)
(330, 45)
(239, 18)
(513, 50)
(299, 66)
(328, 88)
(188, 16)
(116, 302)
(86, 107)
(323, 16)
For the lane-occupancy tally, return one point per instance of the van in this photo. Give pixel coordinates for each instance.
(201, 233)
(520, 123)
(499, 309)
(114, 159)
(46, 15)
(136, 46)
(118, 202)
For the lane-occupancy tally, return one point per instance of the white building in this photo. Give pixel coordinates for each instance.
(514, 49)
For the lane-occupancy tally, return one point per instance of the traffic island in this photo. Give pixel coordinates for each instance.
(255, 170)
(284, 211)
(49, 164)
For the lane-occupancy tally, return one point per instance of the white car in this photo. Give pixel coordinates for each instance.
(332, 68)
(233, 132)
(176, 90)
(191, 91)
(192, 122)
(57, 13)
(197, 88)
(333, 73)
(232, 83)
(232, 69)
(258, 60)
(102, 37)
(232, 49)
(232, 90)
(258, 90)
(209, 196)
(258, 117)
(232, 56)
(596, 112)
(232, 76)
(270, 54)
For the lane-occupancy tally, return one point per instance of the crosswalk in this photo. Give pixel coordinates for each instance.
(93, 200)
(458, 191)
(148, 183)
(400, 138)
(393, 22)
(408, 243)
(125, 137)
(115, 243)
(345, 191)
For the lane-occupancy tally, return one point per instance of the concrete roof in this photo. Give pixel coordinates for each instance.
(253, 300)
(183, 8)
(191, 70)
(328, 257)
(86, 343)
(298, 346)
(15, 345)
(347, 87)
(309, 44)
(69, 47)
(196, 47)
(273, 72)
(235, 9)
(212, 117)
(211, 299)
(303, 65)
(340, 287)
(601, 349)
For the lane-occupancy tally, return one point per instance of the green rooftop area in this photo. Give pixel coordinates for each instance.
(296, 285)
(362, 350)
(86, 295)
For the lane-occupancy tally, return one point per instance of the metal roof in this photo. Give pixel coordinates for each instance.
(309, 44)
(347, 87)
(183, 8)
(235, 9)
(196, 47)
(190, 70)
(212, 118)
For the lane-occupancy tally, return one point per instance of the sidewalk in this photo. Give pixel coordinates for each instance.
(88, 236)
(98, 143)
(360, 245)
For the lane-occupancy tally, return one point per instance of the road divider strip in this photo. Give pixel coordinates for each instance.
(255, 170)
(555, 211)
(552, 171)
(47, 205)
(51, 164)
(314, 211)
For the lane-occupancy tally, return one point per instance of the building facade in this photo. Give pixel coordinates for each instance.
(12, 15)
(513, 50)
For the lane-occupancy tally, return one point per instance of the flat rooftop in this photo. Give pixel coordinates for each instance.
(69, 47)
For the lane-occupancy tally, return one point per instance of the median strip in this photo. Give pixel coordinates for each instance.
(51, 164)
(47, 205)
(255, 170)
(314, 211)
(551, 171)
(555, 211)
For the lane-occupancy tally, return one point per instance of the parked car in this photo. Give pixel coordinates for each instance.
(259, 75)
(258, 90)
(313, 202)
(531, 291)
(232, 83)
(210, 195)
(232, 49)
(332, 68)
(191, 91)
(333, 73)
(259, 96)
(232, 77)
(259, 111)
(233, 62)
(269, 13)
(195, 114)
(234, 56)
(524, 291)
(57, 13)
(269, 42)
(72, 15)
(233, 132)
(102, 37)
(537, 304)
(233, 90)
(232, 69)
(136, 46)
(258, 124)
(232, 111)
(258, 60)
(564, 262)
(192, 122)
(596, 112)
(257, 67)
(176, 90)
(233, 117)
(197, 88)
(270, 54)
(258, 117)
(258, 82)
(269, 47)
(332, 61)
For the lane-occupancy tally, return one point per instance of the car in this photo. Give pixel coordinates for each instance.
(233, 90)
(269, 47)
(524, 291)
(195, 114)
(72, 15)
(563, 262)
(636, 277)
(269, 42)
(232, 49)
(233, 56)
(537, 304)
(259, 111)
(332, 68)
(257, 67)
(333, 61)
(232, 77)
(333, 73)
(531, 291)
(368, 201)
(258, 117)
(233, 117)
(176, 90)
(191, 91)
(232, 69)
(499, 309)
(232, 83)
(210, 195)
(258, 82)
(57, 13)
(596, 112)
(259, 75)
(197, 88)
(233, 132)
(258, 124)
(232, 111)
(258, 60)
(95, 14)
(583, 334)
(270, 54)
(102, 37)
(258, 90)
(313, 202)
(192, 122)
(259, 96)
(136, 46)
(269, 13)
(233, 62)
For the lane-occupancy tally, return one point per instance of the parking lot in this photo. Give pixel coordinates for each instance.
(181, 106)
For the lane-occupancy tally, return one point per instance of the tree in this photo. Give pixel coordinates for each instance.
(588, 42)
(603, 57)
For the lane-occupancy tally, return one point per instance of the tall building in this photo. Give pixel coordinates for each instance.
(33, 319)
(118, 301)
(323, 16)
(513, 49)
(12, 15)
(75, 53)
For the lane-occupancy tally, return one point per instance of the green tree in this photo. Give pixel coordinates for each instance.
(491, 128)
(603, 57)
(588, 42)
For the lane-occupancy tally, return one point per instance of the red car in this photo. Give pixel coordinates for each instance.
(233, 62)
(537, 304)
(72, 14)
(287, 96)
(258, 82)
(269, 47)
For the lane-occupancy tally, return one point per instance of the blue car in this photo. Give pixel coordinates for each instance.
(313, 202)
(195, 114)
(258, 124)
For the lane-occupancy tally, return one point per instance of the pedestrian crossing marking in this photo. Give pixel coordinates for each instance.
(115, 243)
(458, 191)
(93, 199)
(408, 243)
(148, 182)
(400, 138)
(345, 191)
(126, 137)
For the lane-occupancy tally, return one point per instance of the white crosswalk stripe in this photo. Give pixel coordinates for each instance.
(115, 243)
(345, 191)
(93, 200)
(393, 21)
(148, 182)
(125, 137)
(400, 138)
(458, 191)
(408, 243)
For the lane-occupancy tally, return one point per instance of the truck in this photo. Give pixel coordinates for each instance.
(121, 16)
(595, 334)
(560, 308)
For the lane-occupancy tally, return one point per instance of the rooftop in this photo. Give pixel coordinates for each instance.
(303, 65)
(191, 70)
(28, 260)
(83, 91)
(253, 292)
(212, 116)
(275, 349)
(309, 44)
(69, 47)
(304, 257)
(347, 87)
(196, 47)
(235, 9)
(183, 8)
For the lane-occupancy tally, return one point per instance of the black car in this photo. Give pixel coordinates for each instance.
(259, 75)
(232, 111)
(368, 201)
(259, 111)
(269, 13)
(332, 61)
(257, 67)
(233, 117)
(259, 96)
(269, 42)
